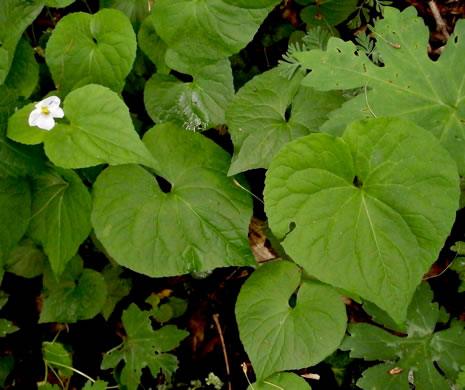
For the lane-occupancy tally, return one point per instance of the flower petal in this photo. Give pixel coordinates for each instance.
(46, 122)
(52, 102)
(34, 116)
(57, 112)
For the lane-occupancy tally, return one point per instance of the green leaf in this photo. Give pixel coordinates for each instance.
(210, 29)
(58, 3)
(328, 12)
(279, 337)
(409, 85)
(15, 16)
(258, 134)
(282, 380)
(97, 385)
(60, 218)
(26, 259)
(56, 355)
(376, 205)
(101, 131)
(201, 224)
(197, 105)
(24, 72)
(79, 294)
(117, 288)
(152, 45)
(7, 363)
(15, 211)
(135, 10)
(86, 49)
(412, 358)
(7, 327)
(142, 346)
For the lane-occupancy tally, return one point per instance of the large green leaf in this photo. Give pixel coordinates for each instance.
(282, 380)
(279, 337)
(15, 16)
(60, 218)
(144, 347)
(152, 45)
(409, 85)
(100, 131)
(79, 294)
(196, 105)
(15, 211)
(376, 205)
(258, 134)
(211, 29)
(24, 72)
(86, 49)
(327, 12)
(413, 357)
(135, 10)
(201, 224)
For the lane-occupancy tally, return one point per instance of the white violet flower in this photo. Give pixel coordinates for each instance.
(44, 113)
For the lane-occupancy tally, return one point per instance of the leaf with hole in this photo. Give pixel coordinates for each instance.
(91, 49)
(281, 113)
(198, 224)
(409, 85)
(376, 205)
(279, 334)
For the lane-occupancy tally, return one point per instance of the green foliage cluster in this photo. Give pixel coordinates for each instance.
(363, 155)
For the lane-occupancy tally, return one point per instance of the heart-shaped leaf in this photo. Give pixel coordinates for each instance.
(100, 131)
(86, 49)
(79, 294)
(258, 134)
(60, 218)
(376, 205)
(200, 224)
(210, 29)
(278, 336)
(197, 105)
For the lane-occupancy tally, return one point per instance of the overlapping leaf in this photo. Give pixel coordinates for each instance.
(86, 49)
(258, 134)
(60, 218)
(196, 105)
(100, 131)
(152, 45)
(117, 288)
(135, 10)
(210, 29)
(15, 16)
(144, 347)
(412, 358)
(279, 337)
(282, 380)
(409, 85)
(201, 224)
(327, 12)
(371, 210)
(79, 294)
(26, 259)
(15, 211)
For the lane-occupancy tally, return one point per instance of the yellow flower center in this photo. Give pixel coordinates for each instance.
(45, 110)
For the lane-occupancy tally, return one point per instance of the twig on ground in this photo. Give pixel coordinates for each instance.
(438, 18)
(220, 332)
